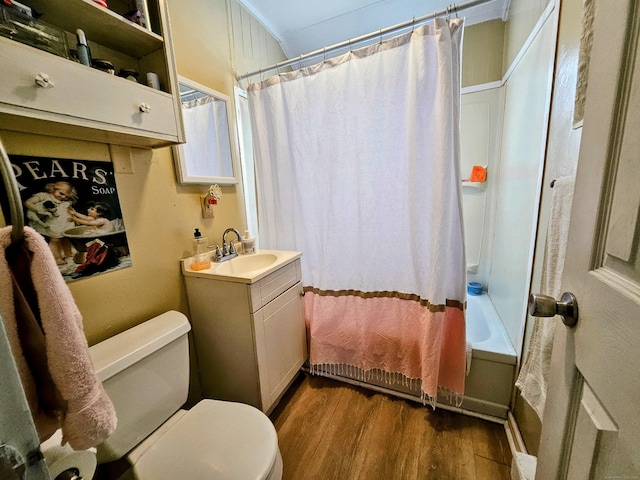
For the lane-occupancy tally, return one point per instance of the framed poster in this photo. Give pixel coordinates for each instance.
(74, 205)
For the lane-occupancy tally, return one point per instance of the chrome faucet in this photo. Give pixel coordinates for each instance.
(229, 249)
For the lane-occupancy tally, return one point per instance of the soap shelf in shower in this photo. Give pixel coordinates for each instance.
(467, 183)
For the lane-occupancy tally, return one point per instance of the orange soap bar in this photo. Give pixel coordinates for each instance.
(478, 174)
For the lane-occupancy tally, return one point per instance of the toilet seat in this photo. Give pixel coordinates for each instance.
(217, 440)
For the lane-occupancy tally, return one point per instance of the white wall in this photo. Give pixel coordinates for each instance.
(480, 125)
(527, 104)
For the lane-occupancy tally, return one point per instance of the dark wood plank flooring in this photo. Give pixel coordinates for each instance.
(329, 430)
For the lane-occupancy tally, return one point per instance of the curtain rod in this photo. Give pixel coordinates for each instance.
(363, 38)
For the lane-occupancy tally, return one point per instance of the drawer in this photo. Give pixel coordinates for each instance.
(268, 288)
(80, 95)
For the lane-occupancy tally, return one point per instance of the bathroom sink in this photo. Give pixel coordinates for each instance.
(244, 268)
(246, 263)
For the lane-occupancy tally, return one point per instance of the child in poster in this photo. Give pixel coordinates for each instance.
(48, 213)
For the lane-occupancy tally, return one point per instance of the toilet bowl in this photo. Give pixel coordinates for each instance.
(145, 371)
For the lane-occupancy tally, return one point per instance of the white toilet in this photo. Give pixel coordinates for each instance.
(145, 371)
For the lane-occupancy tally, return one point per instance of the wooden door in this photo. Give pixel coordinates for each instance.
(591, 426)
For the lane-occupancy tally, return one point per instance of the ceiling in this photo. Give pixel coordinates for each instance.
(304, 26)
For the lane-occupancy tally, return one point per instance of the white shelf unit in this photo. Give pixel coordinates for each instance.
(85, 103)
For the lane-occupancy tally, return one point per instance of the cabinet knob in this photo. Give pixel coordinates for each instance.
(145, 107)
(43, 80)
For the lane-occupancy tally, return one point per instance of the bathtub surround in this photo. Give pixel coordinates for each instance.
(373, 202)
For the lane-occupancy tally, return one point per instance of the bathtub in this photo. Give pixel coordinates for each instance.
(490, 380)
(80, 236)
(491, 377)
(485, 331)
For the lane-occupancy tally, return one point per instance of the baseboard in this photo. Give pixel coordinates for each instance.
(516, 442)
(523, 466)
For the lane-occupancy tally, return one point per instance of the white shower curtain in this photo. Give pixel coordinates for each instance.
(208, 146)
(357, 167)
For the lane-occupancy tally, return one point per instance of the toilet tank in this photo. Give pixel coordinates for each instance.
(145, 372)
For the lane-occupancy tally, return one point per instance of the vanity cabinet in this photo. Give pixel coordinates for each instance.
(52, 95)
(250, 338)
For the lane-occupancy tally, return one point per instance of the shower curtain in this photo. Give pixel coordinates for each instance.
(204, 118)
(357, 168)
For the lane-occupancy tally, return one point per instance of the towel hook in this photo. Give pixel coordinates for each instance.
(13, 194)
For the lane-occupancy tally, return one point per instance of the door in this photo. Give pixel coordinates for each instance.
(591, 425)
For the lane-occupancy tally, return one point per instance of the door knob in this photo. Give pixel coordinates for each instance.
(546, 306)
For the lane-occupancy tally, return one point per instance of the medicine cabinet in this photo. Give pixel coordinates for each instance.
(210, 152)
(44, 90)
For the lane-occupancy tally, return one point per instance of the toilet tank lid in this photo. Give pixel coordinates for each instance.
(114, 354)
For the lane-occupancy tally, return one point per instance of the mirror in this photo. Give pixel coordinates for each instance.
(209, 154)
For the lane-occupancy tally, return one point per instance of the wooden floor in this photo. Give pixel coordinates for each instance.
(329, 430)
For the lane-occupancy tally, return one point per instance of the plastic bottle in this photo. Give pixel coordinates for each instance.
(248, 243)
(201, 259)
(84, 55)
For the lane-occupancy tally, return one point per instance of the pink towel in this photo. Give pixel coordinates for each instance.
(84, 413)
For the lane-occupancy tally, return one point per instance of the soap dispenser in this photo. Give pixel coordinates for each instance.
(201, 259)
(248, 243)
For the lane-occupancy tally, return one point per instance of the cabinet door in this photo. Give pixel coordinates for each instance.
(281, 344)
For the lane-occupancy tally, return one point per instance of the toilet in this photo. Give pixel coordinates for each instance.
(145, 371)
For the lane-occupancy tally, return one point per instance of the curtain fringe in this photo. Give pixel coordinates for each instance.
(389, 378)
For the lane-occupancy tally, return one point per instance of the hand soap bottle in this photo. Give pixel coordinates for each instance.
(248, 243)
(201, 259)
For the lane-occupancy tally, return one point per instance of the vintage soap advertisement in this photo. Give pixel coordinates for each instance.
(74, 205)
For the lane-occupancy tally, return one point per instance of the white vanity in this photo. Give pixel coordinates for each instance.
(248, 324)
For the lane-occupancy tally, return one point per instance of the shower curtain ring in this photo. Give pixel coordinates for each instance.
(455, 9)
(324, 54)
(413, 24)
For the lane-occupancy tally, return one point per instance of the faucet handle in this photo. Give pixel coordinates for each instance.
(232, 247)
(217, 252)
